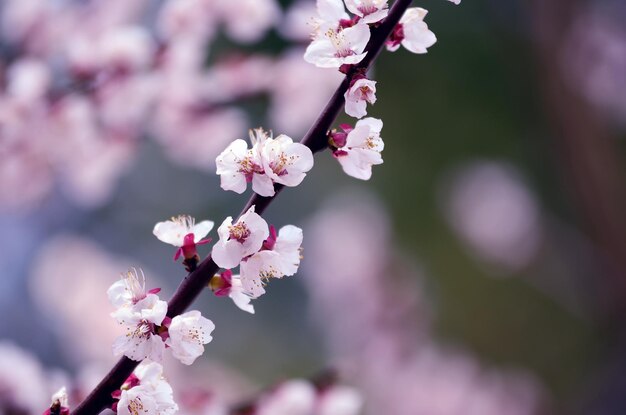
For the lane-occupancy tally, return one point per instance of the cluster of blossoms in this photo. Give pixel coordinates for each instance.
(84, 82)
(148, 330)
(259, 251)
(270, 160)
(339, 41)
(145, 392)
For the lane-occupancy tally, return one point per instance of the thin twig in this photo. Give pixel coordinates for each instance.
(316, 139)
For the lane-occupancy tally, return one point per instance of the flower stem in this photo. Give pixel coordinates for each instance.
(189, 289)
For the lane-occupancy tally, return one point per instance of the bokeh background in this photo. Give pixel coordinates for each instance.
(482, 270)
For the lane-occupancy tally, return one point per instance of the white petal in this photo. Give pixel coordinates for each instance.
(202, 229)
(170, 232)
(357, 36)
(242, 301)
(228, 254)
(262, 185)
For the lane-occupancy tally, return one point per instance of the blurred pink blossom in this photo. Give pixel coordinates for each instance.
(367, 308)
(494, 213)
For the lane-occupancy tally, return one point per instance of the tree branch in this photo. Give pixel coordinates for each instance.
(189, 289)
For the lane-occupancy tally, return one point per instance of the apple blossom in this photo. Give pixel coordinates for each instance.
(239, 240)
(227, 284)
(361, 149)
(146, 392)
(184, 233)
(188, 333)
(342, 46)
(286, 162)
(238, 165)
(370, 11)
(361, 91)
(412, 32)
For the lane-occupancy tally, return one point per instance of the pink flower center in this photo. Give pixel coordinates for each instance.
(239, 232)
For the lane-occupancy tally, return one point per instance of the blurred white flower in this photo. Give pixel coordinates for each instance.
(294, 397)
(23, 381)
(296, 87)
(248, 20)
(339, 400)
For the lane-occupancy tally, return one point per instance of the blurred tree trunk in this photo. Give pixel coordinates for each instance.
(587, 151)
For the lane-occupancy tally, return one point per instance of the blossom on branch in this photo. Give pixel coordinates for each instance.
(228, 285)
(280, 257)
(238, 165)
(412, 32)
(358, 149)
(239, 240)
(188, 333)
(370, 11)
(336, 47)
(140, 321)
(146, 392)
(361, 91)
(184, 233)
(286, 162)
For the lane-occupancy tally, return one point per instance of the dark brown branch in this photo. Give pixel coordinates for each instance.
(195, 282)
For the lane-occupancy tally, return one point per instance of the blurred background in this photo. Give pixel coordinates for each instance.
(481, 271)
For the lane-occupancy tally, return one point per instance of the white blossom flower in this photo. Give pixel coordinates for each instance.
(227, 284)
(286, 162)
(184, 233)
(412, 32)
(153, 395)
(457, 2)
(370, 11)
(259, 268)
(188, 333)
(240, 239)
(358, 95)
(238, 165)
(339, 400)
(140, 320)
(362, 149)
(288, 246)
(337, 47)
(130, 289)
